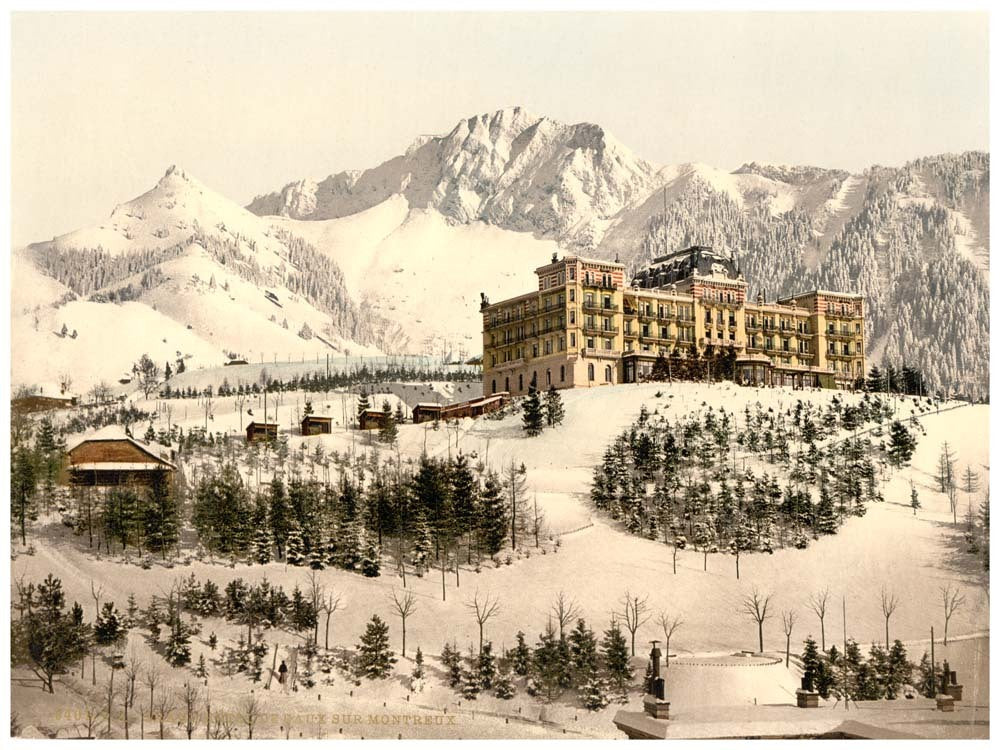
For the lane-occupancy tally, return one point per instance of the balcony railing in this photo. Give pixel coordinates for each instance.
(594, 328)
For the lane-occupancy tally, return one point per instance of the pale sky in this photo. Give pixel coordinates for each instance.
(102, 104)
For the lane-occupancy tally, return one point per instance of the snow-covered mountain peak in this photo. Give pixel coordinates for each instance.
(510, 167)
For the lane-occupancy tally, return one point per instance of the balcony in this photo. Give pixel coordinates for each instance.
(511, 364)
(605, 353)
(598, 307)
(600, 330)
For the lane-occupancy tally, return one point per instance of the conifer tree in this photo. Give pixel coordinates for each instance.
(554, 412)
(371, 557)
(295, 552)
(178, 645)
(486, 667)
(161, 516)
(533, 417)
(279, 515)
(423, 545)
(387, 432)
(503, 685)
(546, 662)
(260, 551)
(452, 661)
(914, 499)
(583, 652)
(594, 692)
(520, 657)
(616, 656)
(375, 658)
(901, 444)
(23, 482)
(418, 665)
(363, 405)
(492, 515)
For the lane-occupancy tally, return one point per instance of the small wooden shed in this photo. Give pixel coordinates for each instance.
(262, 431)
(314, 425)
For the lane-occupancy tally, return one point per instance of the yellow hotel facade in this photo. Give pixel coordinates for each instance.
(584, 326)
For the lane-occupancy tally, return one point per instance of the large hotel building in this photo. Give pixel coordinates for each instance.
(585, 326)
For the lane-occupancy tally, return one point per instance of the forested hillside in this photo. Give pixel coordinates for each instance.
(913, 249)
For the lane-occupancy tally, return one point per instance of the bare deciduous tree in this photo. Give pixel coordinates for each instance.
(889, 604)
(190, 694)
(405, 606)
(636, 612)
(483, 611)
(756, 606)
(151, 678)
(565, 610)
(250, 709)
(787, 623)
(331, 603)
(91, 712)
(951, 600)
(670, 624)
(817, 603)
(164, 705)
(316, 593)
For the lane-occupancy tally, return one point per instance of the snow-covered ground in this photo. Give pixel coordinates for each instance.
(424, 272)
(595, 562)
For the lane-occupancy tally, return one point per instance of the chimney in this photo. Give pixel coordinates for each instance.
(555, 257)
(654, 703)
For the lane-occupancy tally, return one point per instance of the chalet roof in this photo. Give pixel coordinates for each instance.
(317, 418)
(114, 434)
(262, 424)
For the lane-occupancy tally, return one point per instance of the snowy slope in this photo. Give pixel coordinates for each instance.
(187, 260)
(424, 273)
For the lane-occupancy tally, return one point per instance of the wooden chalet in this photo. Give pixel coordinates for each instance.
(262, 431)
(428, 412)
(315, 425)
(115, 461)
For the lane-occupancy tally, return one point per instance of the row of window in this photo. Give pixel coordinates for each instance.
(591, 376)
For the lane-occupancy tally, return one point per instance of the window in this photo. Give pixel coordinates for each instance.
(708, 316)
(590, 343)
(664, 333)
(572, 317)
(608, 343)
(572, 292)
(548, 377)
(562, 300)
(534, 350)
(520, 382)
(588, 299)
(590, 371)
(506, 384)
(607, 302)
(548, 346)
(607, 373)
(562, 373)
(534, 380)
(562, 343)
(572, 340)
(494, 363)
(494, 384)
